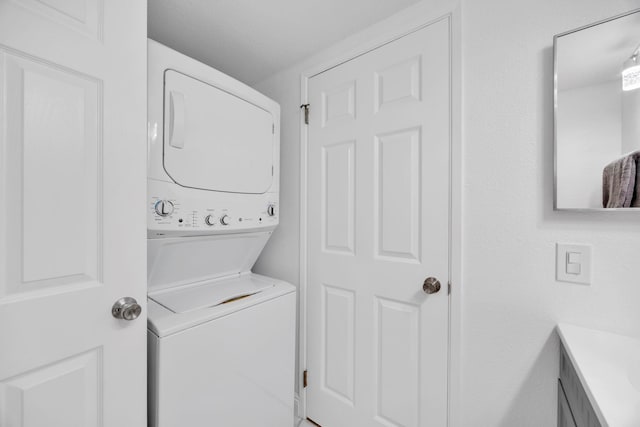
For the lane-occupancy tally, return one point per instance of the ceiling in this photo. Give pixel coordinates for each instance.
(253, 39)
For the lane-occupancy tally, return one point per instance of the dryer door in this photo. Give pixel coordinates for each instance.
(214, 140)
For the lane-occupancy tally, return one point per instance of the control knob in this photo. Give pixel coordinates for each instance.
(164, 207)
(209, 220)
(271, 210)
(225, 220)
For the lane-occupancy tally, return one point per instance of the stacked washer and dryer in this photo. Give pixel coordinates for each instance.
(221, 338)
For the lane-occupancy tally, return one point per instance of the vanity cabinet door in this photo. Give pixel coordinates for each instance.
(565, 418)
(575, 395)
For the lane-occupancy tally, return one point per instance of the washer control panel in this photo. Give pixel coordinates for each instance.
(271, 209)
(171, 215)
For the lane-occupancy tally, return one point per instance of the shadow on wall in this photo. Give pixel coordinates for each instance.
(537, 382)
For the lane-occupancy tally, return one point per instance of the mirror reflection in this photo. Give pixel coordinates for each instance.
(597, 116)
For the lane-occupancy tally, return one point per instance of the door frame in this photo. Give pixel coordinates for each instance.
(397, 26)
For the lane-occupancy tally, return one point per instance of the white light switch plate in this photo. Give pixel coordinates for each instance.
(573, 263)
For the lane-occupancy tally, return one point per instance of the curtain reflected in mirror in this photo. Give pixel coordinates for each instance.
(597, 115)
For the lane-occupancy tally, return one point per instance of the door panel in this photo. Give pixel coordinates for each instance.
(338, 104)
(338, 340)
(378, 204)
(398, 83)
(397, 362)
(72, 212)
(397, 195)
(338, 197)
(65, 393)
(52, 120)
(85, 16)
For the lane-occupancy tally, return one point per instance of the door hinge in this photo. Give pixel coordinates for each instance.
(448, 288)
(273, 128)
(306, 113)
(304, 379)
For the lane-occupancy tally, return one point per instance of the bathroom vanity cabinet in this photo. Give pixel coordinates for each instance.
(574, 407)
(599, 384)
(565, 418)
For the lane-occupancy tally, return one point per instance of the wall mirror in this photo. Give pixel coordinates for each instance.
(597, 115)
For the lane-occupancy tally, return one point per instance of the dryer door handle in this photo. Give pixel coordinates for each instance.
(176, 119)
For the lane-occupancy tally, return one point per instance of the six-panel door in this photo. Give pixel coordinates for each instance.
(72, 212)
(378, 203)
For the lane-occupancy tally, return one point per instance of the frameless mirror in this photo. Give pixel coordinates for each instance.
(597, 115)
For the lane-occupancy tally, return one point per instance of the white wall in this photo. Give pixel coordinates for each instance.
(590, 137)
(511, 301)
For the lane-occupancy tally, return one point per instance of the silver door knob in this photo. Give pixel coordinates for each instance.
(126, 308)
(431, 285)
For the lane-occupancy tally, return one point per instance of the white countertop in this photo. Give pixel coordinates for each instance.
(608, 366)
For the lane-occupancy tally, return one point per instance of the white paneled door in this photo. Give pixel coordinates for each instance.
(378, 226)
(72, 214)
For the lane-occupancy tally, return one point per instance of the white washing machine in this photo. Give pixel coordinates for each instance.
(221, 338)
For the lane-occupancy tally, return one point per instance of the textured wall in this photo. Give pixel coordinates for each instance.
(511, 298)
(511, 301)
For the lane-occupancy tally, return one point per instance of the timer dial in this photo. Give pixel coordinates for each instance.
(164, 207)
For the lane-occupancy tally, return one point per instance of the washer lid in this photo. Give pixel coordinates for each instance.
(179, 261)
(210, 294)
(164, 322)
(215, 140)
